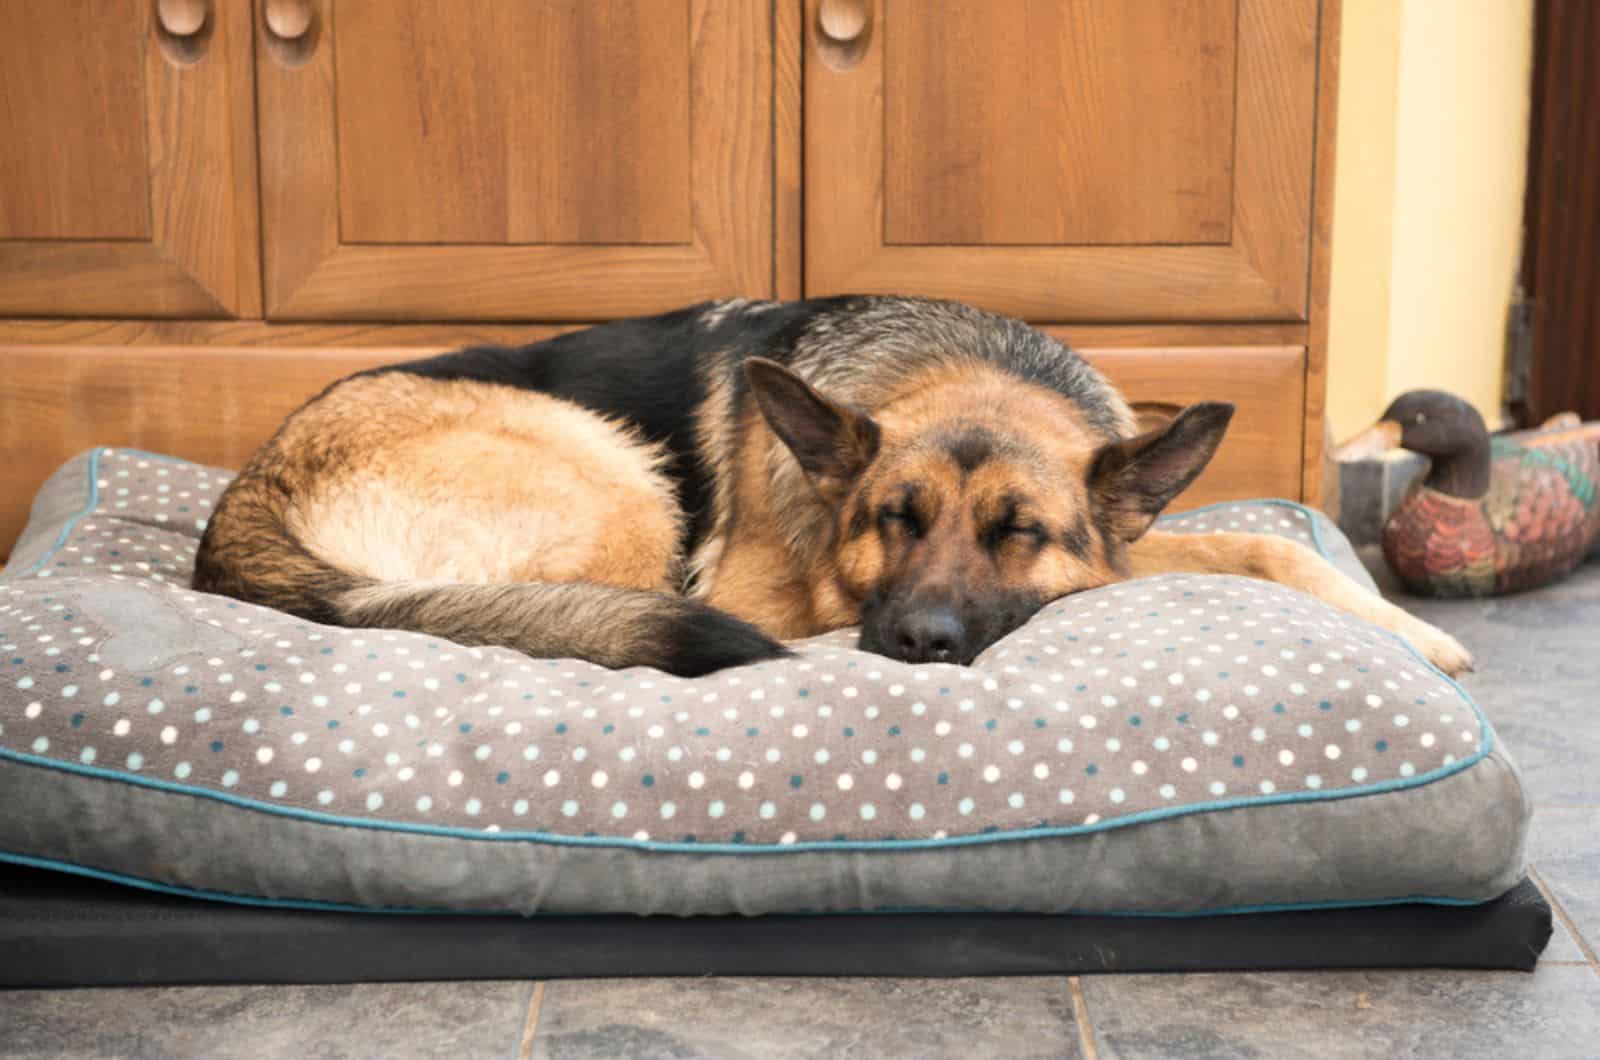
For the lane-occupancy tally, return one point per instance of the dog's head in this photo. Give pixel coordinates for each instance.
(971, 500)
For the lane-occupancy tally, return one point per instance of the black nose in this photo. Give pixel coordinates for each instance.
(930, 635)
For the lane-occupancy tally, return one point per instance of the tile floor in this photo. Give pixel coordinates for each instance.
(1538, 677)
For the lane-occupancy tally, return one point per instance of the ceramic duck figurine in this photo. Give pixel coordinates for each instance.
(1495, 514)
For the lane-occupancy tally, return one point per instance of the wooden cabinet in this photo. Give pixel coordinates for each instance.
(127, 178)
(344, 180)
(1066, 159)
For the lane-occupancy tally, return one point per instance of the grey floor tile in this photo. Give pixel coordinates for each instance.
(1565, 849)
(259, 1022)
(1536, 660)
(807, 1017)
(1551, 1014)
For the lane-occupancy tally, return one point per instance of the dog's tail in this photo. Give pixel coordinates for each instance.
(248, 552)
(603, 624)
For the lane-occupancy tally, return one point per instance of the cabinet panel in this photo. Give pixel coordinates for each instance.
(1261, 454)
(128, 185)
(1043, 122)
(1060, 160)
(518, 123)
(84, 178)
(552, 159)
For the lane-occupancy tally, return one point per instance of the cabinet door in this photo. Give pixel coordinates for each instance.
(537, 159)
(1064, 159)
(127, 172)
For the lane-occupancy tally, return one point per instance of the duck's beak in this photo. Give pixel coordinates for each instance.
(1370, 443)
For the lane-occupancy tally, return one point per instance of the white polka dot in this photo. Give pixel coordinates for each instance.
(551, 778)
(668, 809)
(991, 773)
(1218, 787)
(697, 780)
(263, 755)
(1189, 765)
(569, 808)
(277, 789)
(965, 807)
(1407, 769)
(846, 782)
(620, 809)
(917, 811)
(818, 811)
(1313, 781)
(1358, 774)
(1332, 751)
(1268, 787)
(599, 778)
(425, 803)
(1286, 757)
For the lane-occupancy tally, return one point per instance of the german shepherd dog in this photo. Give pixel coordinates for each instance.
(686, 491)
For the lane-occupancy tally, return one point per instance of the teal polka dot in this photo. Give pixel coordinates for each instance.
(795, 781)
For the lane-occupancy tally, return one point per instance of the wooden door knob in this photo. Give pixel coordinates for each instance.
(842, 21)
(182, 18)
(289, 19)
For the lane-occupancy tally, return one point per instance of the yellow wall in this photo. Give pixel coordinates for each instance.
(1432, 156)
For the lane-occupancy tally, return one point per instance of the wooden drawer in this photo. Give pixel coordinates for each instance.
(216, 404)
(1261, 456)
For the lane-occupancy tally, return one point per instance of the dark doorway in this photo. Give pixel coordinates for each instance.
(1561, 253)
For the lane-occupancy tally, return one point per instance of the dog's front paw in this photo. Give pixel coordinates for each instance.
(1439, 648)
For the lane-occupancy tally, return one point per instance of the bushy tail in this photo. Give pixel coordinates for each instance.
(603, 624)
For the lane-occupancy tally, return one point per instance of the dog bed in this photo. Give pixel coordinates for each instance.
(1181, 746)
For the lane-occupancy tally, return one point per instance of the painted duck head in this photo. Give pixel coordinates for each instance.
(1437, 425)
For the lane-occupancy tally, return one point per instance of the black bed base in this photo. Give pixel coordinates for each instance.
(58, 930)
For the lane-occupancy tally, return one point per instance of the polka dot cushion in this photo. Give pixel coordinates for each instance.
(1170, 745)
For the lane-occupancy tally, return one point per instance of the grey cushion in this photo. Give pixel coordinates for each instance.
(1178, 744)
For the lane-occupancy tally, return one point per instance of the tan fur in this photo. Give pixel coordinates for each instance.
(1288, 563)
(555, 493)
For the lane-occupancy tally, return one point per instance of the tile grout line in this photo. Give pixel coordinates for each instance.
(1566, 920)
(530, 1024)
(1080, 1014)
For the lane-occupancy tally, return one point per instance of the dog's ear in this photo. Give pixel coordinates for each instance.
(833, 441)
(1131, 481)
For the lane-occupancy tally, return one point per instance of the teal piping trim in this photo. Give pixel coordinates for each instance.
(72, 524)
(392, 910)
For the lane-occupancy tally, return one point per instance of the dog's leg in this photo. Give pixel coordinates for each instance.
(1289, 563)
